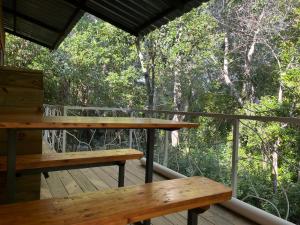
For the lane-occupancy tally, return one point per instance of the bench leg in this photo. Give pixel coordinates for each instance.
(149, 162)
(193, 215)
(121, 177)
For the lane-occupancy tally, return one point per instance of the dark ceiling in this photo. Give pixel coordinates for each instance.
(48, 22)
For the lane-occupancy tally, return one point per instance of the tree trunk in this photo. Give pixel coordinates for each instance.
(176, 101)
(264, 160)
(275, 166)
(299, 173)
(248, 84)
(166, 149)
(225, 72)
(276, 148)
(148, 81)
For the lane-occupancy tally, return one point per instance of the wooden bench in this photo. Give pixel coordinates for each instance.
(120, 205)
(46, 162)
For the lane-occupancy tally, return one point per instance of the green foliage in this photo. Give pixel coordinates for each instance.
(93, 66)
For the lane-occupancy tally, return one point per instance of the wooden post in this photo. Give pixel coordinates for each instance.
(235, 156)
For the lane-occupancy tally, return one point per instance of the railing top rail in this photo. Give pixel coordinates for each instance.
(291, 120)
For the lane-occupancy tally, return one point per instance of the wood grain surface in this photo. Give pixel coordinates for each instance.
(73, 122)
(133, 203)
(52, 160)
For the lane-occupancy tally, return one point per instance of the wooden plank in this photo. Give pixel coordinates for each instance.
(24, 79)
(14, 110)
(56, 187)
(135, 175)
(68, 181)
(109, 175)
(45, 190)
(26, 97)
(53, 160)
(28, 187)
(23, 147)
(77, 122)
(150, 200)
(82, 181)
(21, 70)
(22, 135)
(94, 179)
(106, 178)
(136, 172)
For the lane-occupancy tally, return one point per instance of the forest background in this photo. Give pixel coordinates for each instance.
(226, 56)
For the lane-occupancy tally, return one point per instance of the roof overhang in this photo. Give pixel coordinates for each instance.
(48, 22)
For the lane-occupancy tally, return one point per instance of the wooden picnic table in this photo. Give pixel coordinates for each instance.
(12, 123)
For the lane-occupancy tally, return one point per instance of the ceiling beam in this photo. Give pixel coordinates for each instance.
(14, 14)
(155, 19)
(75, 17)
(101, 16)
(178, 4)
(31, 20)
(27, 38)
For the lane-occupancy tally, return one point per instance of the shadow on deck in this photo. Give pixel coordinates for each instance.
(64, 183)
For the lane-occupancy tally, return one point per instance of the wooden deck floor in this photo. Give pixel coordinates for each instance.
(64, 183)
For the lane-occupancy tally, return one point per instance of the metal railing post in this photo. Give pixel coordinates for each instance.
(130, 133)
(166, 145)
(235, 156)
(65, 112)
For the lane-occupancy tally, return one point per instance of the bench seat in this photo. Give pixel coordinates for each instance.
(55, 161)
(119, 205)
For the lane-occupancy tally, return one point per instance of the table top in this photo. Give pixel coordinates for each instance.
(78, 122)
